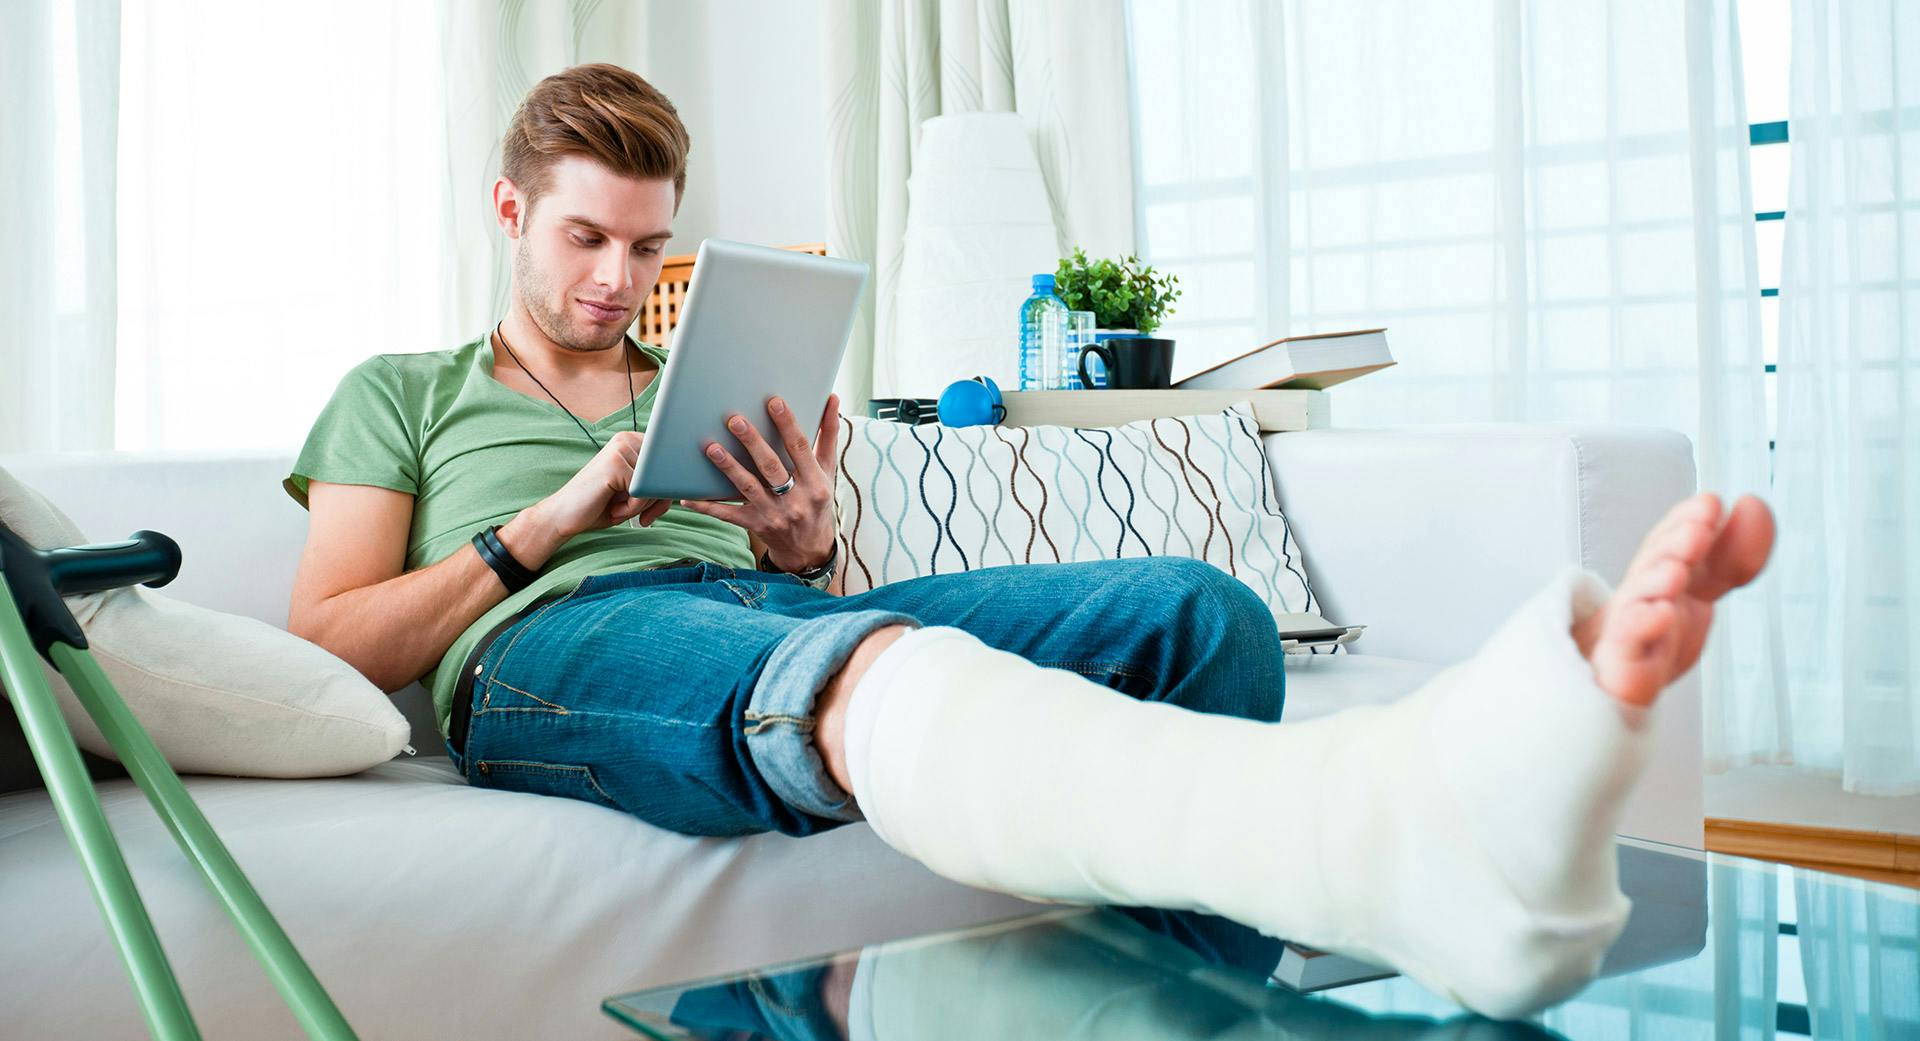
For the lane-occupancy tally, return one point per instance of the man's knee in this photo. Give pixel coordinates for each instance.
(1185, 588)
(1219, 628)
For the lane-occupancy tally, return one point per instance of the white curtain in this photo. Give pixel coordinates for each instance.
(1848, 463)
(59, 75)
(302, 186)
(1545, 203)
(1858, 946)
(891, 64)
(491, 53)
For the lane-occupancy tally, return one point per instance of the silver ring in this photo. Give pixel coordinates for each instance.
(783, 487)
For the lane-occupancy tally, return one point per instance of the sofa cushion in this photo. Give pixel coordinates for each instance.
(429, 908)
(218, 693)
(928, 500)
(1322, 684)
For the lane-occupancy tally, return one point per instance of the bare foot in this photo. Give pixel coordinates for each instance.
(1652, 629)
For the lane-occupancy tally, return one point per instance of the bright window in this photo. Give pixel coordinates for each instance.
(1199, 79)
(281, 187)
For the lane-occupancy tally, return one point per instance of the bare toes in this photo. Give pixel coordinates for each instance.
(1651, 626)
(1739, 551)
(1697, 552)
(1690, 539)
(1629, 663)
(1661, 579)
(1689, 520)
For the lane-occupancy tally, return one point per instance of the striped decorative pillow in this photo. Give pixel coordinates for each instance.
(930, 500)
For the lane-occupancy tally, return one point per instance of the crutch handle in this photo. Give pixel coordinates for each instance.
(145, 557)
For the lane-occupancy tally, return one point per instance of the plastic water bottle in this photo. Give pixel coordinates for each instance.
(1043, 337)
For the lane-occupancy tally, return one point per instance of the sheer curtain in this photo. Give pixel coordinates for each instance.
(1545, 203)
(491, 53)
(1857, 948)
(1848, 463)
(891, 64)
(59, 74)
(302, 186)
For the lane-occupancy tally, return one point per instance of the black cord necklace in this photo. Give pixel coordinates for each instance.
(633, 410)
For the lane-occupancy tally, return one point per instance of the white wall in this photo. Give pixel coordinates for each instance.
(746, 76)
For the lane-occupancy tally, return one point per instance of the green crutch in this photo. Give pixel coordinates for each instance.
(34, 622)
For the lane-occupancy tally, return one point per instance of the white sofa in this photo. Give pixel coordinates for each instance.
(431, 909)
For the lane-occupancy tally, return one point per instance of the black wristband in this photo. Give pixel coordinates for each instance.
(513, 574)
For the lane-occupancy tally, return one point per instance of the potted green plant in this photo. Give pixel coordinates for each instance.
(1129, 300)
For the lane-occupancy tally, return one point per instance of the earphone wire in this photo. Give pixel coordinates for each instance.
(633, 409)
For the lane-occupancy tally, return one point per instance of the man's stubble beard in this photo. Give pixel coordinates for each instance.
(536, 294)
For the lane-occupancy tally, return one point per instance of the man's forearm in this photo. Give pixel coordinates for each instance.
(397, 630)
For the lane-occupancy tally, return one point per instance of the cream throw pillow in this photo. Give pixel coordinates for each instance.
(218, 693)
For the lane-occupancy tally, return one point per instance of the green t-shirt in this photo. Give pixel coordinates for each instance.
(474, 452)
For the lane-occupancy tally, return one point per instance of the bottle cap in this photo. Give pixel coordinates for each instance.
(1043, 282)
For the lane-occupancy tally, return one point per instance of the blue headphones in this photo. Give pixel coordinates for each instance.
(972, 403)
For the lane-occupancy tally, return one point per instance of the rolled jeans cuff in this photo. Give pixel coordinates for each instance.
(780, 718)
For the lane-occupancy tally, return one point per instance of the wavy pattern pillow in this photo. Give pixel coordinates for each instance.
(931, 500)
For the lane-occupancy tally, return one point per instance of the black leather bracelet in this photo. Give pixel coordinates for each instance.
(513, 574)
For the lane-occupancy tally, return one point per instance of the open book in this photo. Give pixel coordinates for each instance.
(1314, 361)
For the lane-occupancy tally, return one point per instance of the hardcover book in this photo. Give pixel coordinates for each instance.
(1314, 361)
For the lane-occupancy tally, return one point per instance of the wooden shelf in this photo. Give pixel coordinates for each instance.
(1275, 410)
(1880, 856)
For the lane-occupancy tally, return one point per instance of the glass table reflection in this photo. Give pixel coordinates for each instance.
(1717, 947)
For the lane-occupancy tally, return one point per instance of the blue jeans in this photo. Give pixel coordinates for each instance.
(684, 696)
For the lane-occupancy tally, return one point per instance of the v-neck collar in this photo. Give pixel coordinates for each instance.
(485, 362)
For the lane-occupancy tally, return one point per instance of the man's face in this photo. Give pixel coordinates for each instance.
(590, 251)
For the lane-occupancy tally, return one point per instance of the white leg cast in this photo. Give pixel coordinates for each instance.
(1463, 835)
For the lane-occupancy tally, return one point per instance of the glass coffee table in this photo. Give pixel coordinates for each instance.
(1717, 947)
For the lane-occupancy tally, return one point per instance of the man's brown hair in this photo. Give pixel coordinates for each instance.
(602, 112)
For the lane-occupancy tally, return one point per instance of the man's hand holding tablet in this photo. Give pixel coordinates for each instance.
(790, 510)
(796, 525)
(759, 325)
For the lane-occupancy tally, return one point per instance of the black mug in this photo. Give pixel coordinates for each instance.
(1133, 363)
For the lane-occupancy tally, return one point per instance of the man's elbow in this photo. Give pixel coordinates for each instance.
(307, 619)
(312, 623)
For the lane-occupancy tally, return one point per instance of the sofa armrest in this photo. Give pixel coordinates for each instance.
(240, 535)
(1431, 536)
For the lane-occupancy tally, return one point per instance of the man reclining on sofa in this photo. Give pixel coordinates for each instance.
(698, 669)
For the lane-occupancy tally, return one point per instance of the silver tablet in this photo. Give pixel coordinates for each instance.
(757, 322)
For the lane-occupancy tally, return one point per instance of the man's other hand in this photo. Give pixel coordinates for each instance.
(596, 497)
(797, 527)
